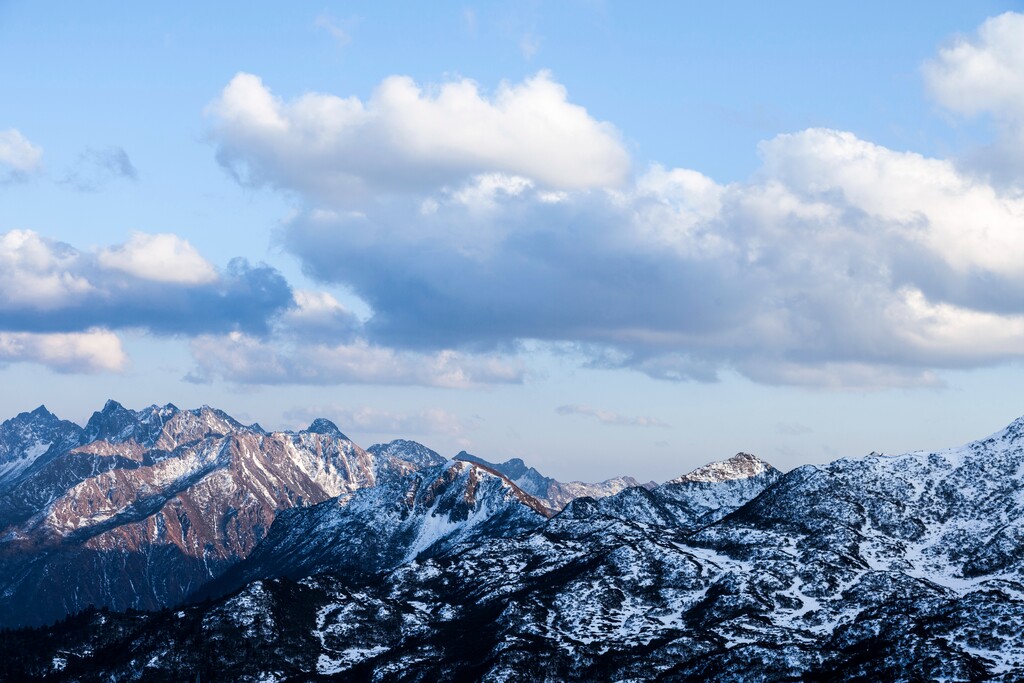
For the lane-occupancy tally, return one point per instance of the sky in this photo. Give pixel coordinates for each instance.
(608, 238)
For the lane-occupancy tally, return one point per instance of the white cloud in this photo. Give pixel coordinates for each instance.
(39, 273)
(406, 137)
(240, 358)
(984, 74)
(81, 352)
(476, 222)
(841, 263)
(155, 282)
(161, 257)
(18, 156)
(610, 417)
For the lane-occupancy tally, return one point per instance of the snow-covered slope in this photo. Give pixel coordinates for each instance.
(689, 502)
(894, 568)
(365, 532)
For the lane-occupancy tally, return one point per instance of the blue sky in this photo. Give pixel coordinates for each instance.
(603, 237)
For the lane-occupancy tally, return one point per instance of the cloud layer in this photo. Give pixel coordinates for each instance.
(470, 222)
(155, 282)
(244, 359)
(839, 263)
(80, 352)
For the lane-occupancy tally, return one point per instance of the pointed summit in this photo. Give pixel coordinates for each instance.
(114, 423)
(42, 412)
(112, 406)
(324, 426)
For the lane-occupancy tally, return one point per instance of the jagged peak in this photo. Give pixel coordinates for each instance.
(322, 425)
(112, 406)
(739, 466)
(41, 411)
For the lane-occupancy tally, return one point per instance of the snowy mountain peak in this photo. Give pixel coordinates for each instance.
(324, 426)
(409, 451)
(739, 466)
(27, 436)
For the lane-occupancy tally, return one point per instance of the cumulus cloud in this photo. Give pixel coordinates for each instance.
(161, 258)
(984, 74)
(244, 359)
(80, 352)
(18, 157)
(156, 282)
(96, 168)
(839, 263)
(405, 137)
(609, 417)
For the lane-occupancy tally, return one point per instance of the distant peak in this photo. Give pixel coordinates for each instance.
(112, 406)
(41, 411)
(324, 426)
(739, 466)
(469, 457)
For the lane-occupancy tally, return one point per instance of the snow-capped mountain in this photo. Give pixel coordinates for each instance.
(401, 456)
(140, 508)
(895, 568)
(552, 493)
(368, 531)
(28, 437)
(689, 502)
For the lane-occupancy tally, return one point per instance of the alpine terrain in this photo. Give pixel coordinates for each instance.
(882, 568)
(140, 509)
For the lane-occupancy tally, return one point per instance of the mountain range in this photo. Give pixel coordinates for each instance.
(395, 564)
(140, 509)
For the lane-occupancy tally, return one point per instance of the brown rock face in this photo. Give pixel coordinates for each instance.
(159, 504)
